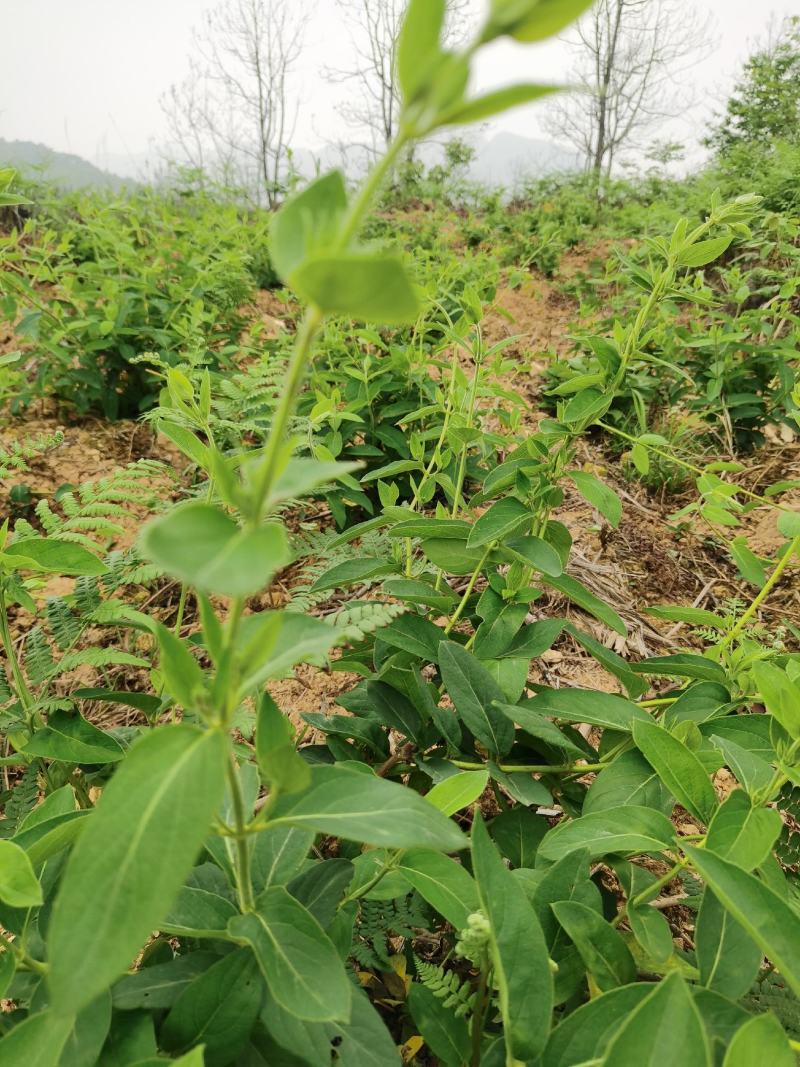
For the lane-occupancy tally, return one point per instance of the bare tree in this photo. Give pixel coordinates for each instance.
(374, 103)
(631, 55)
(232, 116)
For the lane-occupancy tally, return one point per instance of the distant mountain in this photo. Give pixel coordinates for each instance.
(64, 169)
(501, 161)
(507, 158)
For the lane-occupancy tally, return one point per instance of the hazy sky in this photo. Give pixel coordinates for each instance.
(86, 75)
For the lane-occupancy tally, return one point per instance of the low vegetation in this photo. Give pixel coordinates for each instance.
(544, 806)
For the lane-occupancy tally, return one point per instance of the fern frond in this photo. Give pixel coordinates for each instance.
(772, 994)
(454, 992)
(86, 595)
(90, 514)
(38, 659)
(23, 799)
(16, 457)
(65, 626)
(5, 688)
(99, 657)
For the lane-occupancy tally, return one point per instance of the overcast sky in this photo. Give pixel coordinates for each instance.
(86, 76)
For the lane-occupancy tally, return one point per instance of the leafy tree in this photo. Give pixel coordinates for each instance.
(765, 105)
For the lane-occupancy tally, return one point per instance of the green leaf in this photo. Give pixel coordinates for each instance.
(518, 833)
(781, 696)
(767, 918)
(458, 791)
(751, 770)
(664, 1028)
(39, 1040)
(71, 739)
(19, 886)
(536, 638)
(297, 958)
(499, 521)
(363, 807)
(760, 1040)
(301, 475)
(55, 557)
(446, 1035)
(198, 913)
(200, 545)
(590, 706)
(307, 223)
(359, 285)
(414, 634)
(750, 566)
(180, 670)
(217, 1010)
(682, 665)
(652, 931)
(453, 556)
(475, 694)
(536, 553)
(678, 768)
(89, 1034)
(279, 853)
(443, 529)
(535, 20)
(541, 728)
(629, 779)
(584, 1034)
(321, 887)
(352, 571)
(693, 616)
(742, 833)
(133, 854)
(704, 252)
(518, 950)
(300, 638)
(278, 760)
(158, 986)
(789, 524)
(727, 957)
(610, 662)
(578, 593)
(45, 839)
(604, 953)
(394, 710)
(628, 829)
(567, 879)
(484, 107)
(363, 1042)
(418, 46)
(599, 495)
(522, 787)
(443, 882)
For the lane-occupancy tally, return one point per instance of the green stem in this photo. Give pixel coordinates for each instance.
(362, 203)
(23, 692)
(27, 962)
(304, 340)
(651, 892)
(534, 768)
(479, 1014)
(367, 887)
(773, 579)
(468, 591)
(244, 881)
(181, 609)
